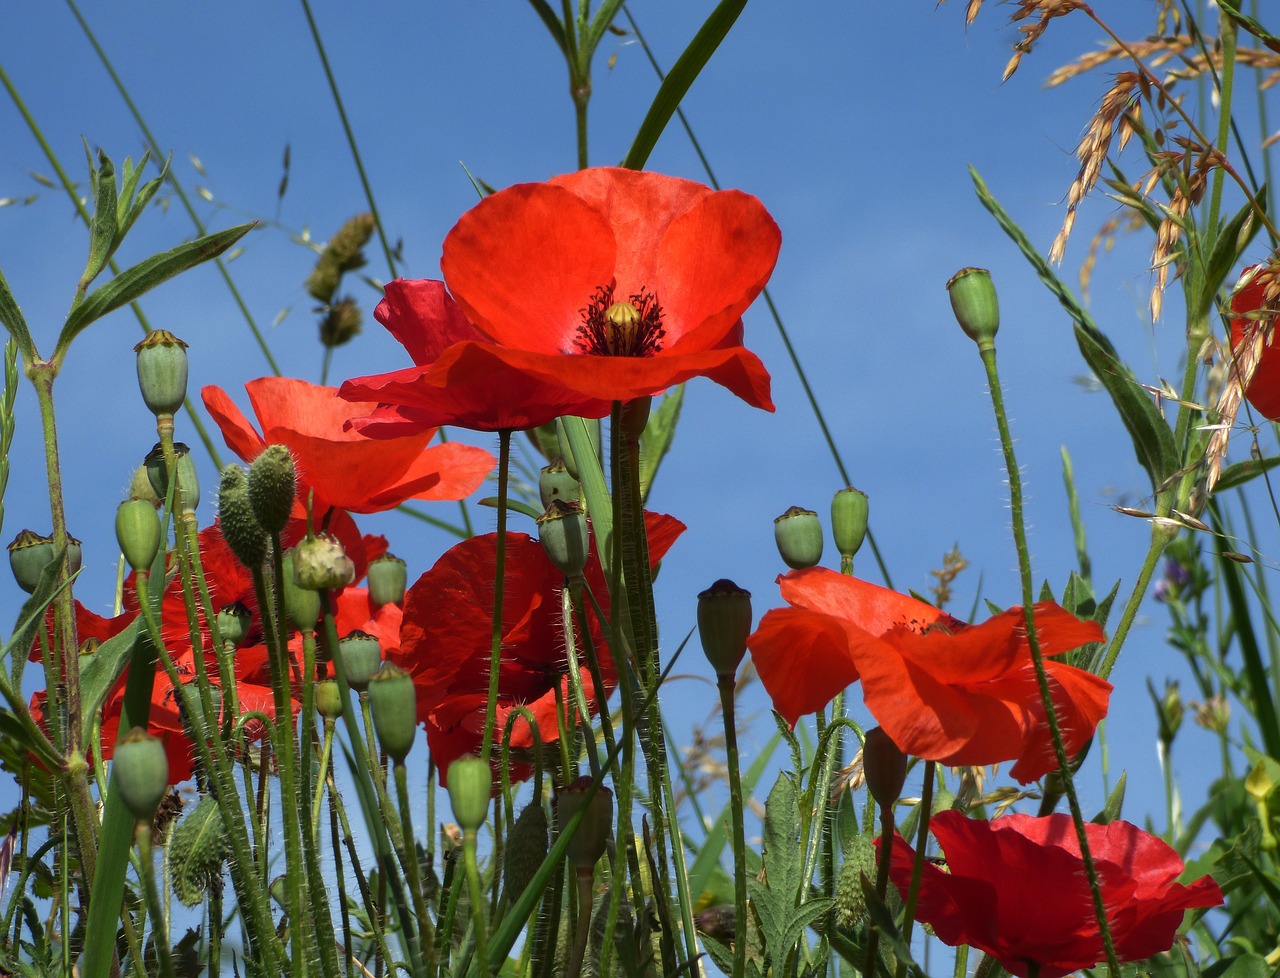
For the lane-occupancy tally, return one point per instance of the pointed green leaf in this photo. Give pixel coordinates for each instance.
(657, 438)
(1115, 802)
(99, 672)
(1249, 24)
(552, 22)
(680, 78)
(11, 317)
(1232, 240)
(144, 276)
(138, 204)
(599, 24)
(1241, 472)
(102, 227)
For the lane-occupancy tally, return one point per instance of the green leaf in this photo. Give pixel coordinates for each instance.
(775, 902)
(100, 671)
(680, 78)
(1249, 24)
(599, 24)
(1241, 472)
(139, 204)
(552, 22)
(657, 437)
(1233, 238)
(102, 227)
(1115, 801)
(11, 317)
(143, 277)
(1246, 965)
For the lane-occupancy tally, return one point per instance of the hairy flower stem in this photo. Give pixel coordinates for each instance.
(499, 574)
(413, 875)
(159, 924)
(586, 878)
(987, 349)
(726, 685)
(917, 868)
(882, 887)
(477, 900)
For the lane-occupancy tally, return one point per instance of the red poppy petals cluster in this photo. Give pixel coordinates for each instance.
(1016, 888)
(1264, 387)
(942, 690)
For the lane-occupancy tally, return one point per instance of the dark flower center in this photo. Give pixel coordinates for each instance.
(621, 329)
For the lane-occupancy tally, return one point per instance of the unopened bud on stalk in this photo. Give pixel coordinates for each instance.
(240, 527)
(973, 300)
(395, 710)
(851, 898)
(140, 487)
(555, 482)
(388, 578)
(470, 783)
(849, 520)
(798, 533)
(1169, 711)
(361, 657)
(301, 606)
(321, 564)
(592, 838)
(562, 531)
(234, 621)
(30, 553)
(162, 371)
(885, 767)
(273, 482)
(138, 532)
(724, 622)
(328, 699)
(140, 772)
(187, 497)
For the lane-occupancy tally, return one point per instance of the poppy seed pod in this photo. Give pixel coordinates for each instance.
(321, 564)
(187, 496)
(138, 532)
(301, 605)
(233, 622)
(724, 622)
(395, 710)
(328, 699)
(273, 482)
(885, 767)
(555, 482)
(590, 841)
(562, 531)
(388, 578)
(974, 302)
(30, 553)
(849, 520)
(798, 533)
(361, 657)
(470, 783)
(526, 848)
(140, 772)
(240, 527)
(162, 371)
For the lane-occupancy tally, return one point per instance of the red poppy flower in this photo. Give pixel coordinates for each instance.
(346, 469)
(1258, 298)
(445, 639)
(1015, 888)
(942, 690)
(612, 283)
(424, 317)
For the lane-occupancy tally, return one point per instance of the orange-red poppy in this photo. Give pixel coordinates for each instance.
(942, 690)
(1254, 309)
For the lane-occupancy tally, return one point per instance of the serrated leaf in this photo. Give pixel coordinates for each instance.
(802, 917)
(102, 226)
(143, 277)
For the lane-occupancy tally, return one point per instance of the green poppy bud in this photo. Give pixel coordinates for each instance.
(341, 323)
(851, 897)
(470, 783)
(138, 532)
(187, 496)
(1169, 711)
(395, 710)
(388, 578)
(798, 533)
(724, 622)
(162, 371)
(973, 300)
(884, 766)
(635, 413)
(527, 845)
(562, 531)
(140, 487)
(328, 699)
(555, 482)
(301, 606)
(849, 520)
(234, 621)
(140, 773)
(592, 838)
(361, 657)
(321, 564)
(30, 553)
(273, 482)
(240, 527)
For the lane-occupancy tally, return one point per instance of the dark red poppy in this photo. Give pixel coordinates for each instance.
(445, 639)
(612, 283)
(424, 317)
(942, 690)
(1016, 889)
(346, 469)
(1254, 307)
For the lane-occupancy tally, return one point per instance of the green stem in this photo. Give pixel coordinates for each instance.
(882, 887)
(585, 880)
(917, 869)
(737, 812)
(413, 874)
(1227, 38)
(159, 924)
(477, 900)
(499, 574)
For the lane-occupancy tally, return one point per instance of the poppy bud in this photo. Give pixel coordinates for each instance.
(470, 783)
(395, 710)
(526, 848)
(321, 564)
(301, 606)
(885, 767)
(328, 699)
(562, 531)
(973, 300)
(140, 773)
(341, 323)
(138, 532)
(591, 839)
(724, 622)
(162, 371)
(798, 533)
(388, 578)
(1169, 711)
(361, 657)
(555, 482)
(849, 520)
(240, 528)
(273, 482)
(233, 622)
(851, 898)
(30, 553)
(140, 487)
(187, 496)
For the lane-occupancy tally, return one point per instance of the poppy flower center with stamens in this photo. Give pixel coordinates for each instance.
(621, 329)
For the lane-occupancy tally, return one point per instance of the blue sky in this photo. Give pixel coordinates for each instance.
(853, 123)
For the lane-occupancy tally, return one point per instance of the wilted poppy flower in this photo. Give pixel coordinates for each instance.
(612, 283)
(445, 641)
(1254, 308)
(1016, 889)
(423, 316)
(942, 690)
(346, 470)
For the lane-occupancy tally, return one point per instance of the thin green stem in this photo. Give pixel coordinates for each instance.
(477, 900)
(499, 573)
(872, 959)
(583, 928)
(917, 869)
(737, 812)
(159, 924)
(413, 874)
(1226, 89)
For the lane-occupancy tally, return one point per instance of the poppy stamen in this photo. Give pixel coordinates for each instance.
(621, 329)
